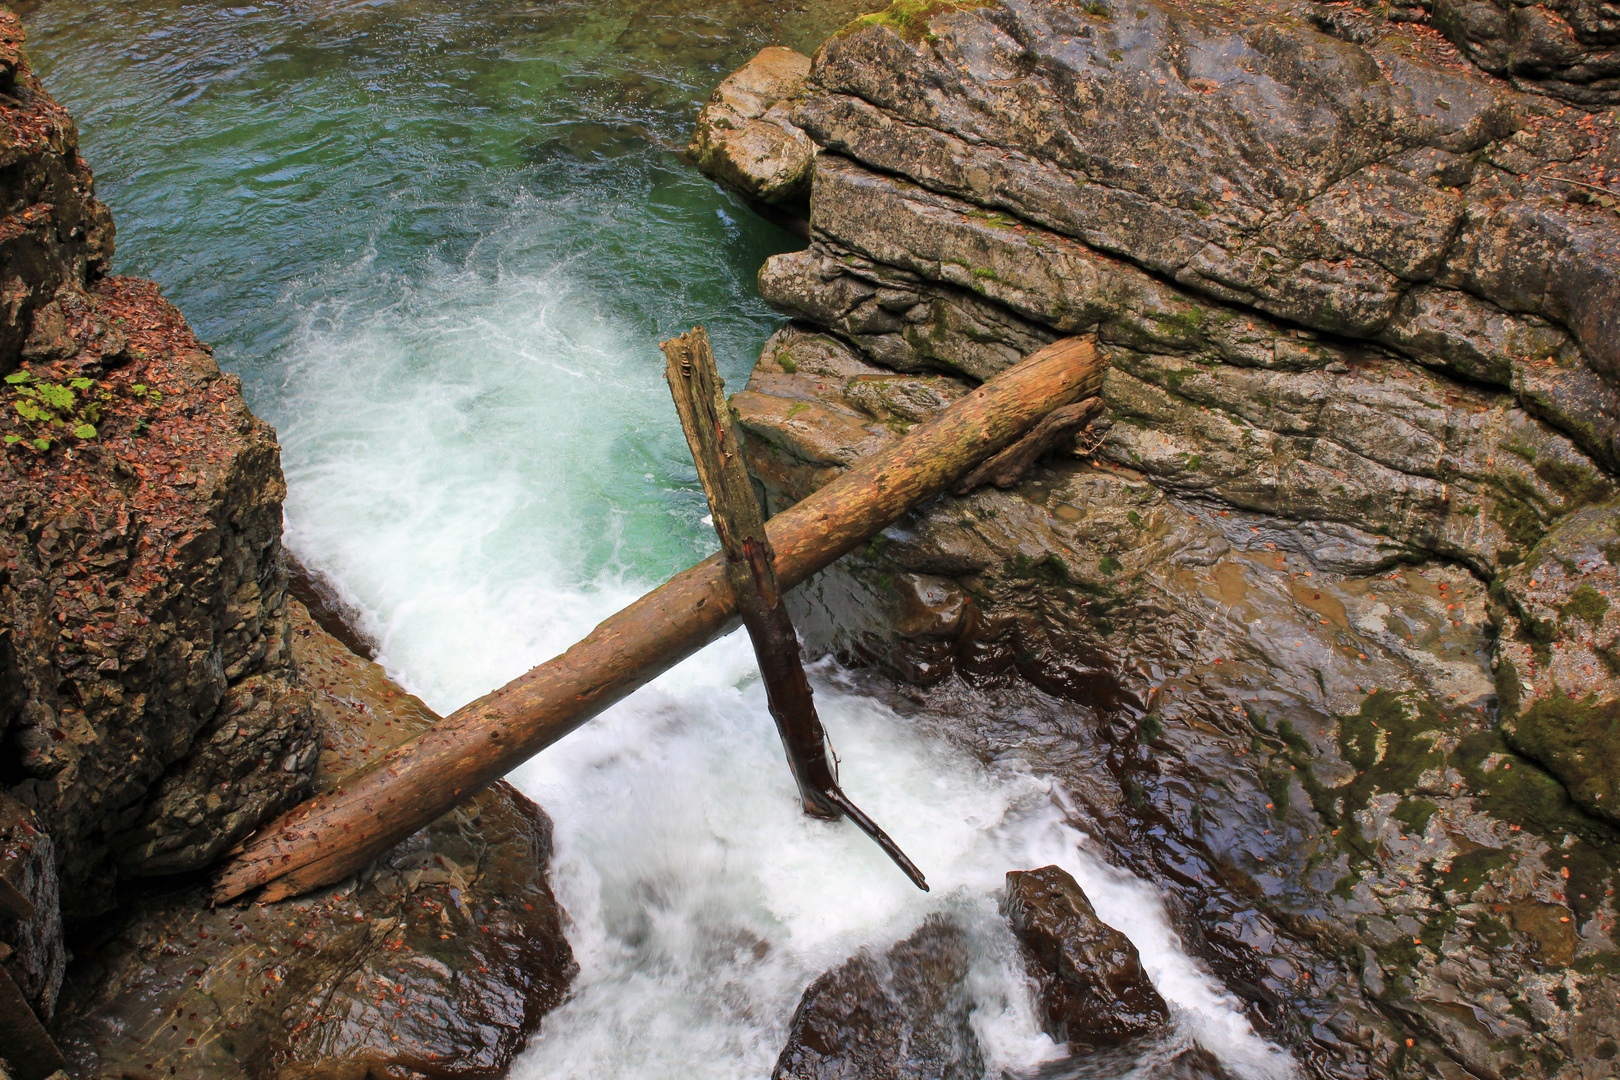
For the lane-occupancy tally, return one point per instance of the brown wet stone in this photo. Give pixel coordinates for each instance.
(438, 961)
(897, 1015)
(1091, 986)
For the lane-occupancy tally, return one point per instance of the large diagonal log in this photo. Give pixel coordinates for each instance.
(336, 833)
(700, 400)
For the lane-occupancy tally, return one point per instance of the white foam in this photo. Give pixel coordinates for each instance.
(487, 465)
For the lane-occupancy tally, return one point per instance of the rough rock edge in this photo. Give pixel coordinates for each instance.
(439, 960)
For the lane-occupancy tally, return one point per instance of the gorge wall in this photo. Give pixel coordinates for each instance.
(1317, 624)
(162, 696)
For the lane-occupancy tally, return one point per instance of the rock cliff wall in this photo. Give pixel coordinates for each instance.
(150, 714)
(162, 695)
(1316, 623)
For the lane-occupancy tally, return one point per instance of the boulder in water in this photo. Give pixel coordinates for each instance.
(1091, 986)
(744, 136)
(901, 1015)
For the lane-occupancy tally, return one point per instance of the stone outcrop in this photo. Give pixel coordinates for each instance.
(745, 138)
(1360, 446)
(152, 714)
(53, 231)
(1092, 989)
(439, 961)
(898, 1015)
(1559, 656)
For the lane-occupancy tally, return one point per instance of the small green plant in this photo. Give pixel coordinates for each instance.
(52, 411)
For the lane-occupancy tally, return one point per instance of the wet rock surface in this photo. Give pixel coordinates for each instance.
(1565, 48)
(1092, 989)
(1359, 457)
(899, 1014)
(438, 961)
(1288, 726)
(1558, 663)
(32, 950)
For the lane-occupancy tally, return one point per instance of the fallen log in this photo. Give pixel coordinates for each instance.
(751, 571)
(336, 833)
(1007, 468)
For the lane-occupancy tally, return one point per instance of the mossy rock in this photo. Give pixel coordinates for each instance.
(1579, 742)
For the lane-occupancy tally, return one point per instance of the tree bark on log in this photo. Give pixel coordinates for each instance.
(1010, 466)
(705, 415)
(336, 833)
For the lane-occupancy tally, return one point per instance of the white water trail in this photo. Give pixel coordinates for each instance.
(483, 465)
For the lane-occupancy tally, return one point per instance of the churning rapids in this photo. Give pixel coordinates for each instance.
(439, 241)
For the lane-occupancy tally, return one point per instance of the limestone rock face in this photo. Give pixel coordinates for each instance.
(1092, 986)
(1360, 327)
(439, 961)
(152, 712)
(53, 231)
(1378, 191)
(745, 138)
(901, 1014)
(1566, 48)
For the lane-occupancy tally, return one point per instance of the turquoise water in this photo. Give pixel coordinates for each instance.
(485, 186)
(439, 242)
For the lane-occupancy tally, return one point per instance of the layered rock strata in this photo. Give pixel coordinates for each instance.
(1359, 454)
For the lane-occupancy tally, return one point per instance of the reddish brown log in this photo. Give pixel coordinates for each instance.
(700, 400)
(338, 832)
(1009, 467)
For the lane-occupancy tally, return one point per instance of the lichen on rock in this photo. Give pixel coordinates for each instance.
(744, 137)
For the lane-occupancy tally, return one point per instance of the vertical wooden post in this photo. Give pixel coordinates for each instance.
(706, 418)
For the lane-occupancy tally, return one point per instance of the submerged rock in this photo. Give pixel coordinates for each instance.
(1092, 989)
(439, 960)
(899, 1014)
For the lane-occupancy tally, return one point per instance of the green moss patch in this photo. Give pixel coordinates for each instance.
(909, 19)
(1579, 741)
(1390, 743)
(1587, 603)
(1470, 872)
(1578, 484)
